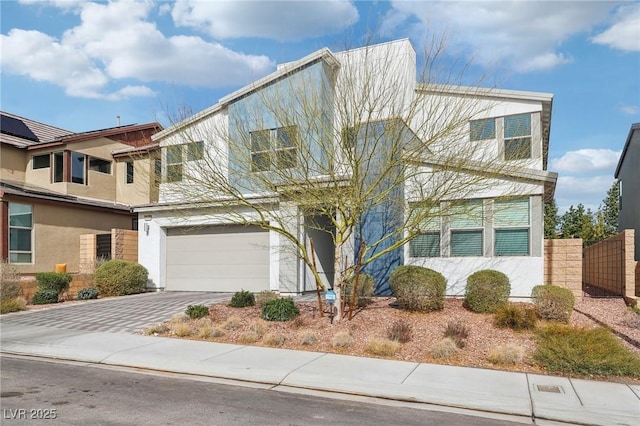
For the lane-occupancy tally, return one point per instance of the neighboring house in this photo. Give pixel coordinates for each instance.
(192, 246)
(628, 175)
(57, 185)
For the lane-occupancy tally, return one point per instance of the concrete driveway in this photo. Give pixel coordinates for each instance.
(126, 314)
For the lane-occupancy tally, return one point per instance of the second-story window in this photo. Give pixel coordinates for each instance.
(482, 129)
(99, 165)
(517, 137)
(174, 163)
(41, 162)
(78, 171)
(274, 149)
(58, 166)
(129, 171)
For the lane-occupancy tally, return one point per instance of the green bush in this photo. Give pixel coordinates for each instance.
(9, 281)
(552, 302)
(12, 305)
(43, 297)
(281, 309)
(417, 288)
(487, 291)
(364, 293)
(264, 296)
(515, 317)
(87, 293)
(243, 298)
(119, 278)
(56, 281)
(197, 311)
(573, 350)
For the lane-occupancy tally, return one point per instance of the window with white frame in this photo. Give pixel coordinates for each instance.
(427, 241)
(517, 137)
(511, 222)
(466, 224)
(174, 163)
(20, 227)
(274, 149)
(195, 151)
(482, 129)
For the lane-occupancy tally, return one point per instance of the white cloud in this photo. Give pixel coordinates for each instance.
(586, 161)
(589, 191)
(522, 35)
(277, 20)
(624, 34)
(116, 41)
(630, 109)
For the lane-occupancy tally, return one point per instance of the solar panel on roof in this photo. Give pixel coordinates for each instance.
(13, 126)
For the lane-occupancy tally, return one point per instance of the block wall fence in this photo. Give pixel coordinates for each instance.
(563, 264)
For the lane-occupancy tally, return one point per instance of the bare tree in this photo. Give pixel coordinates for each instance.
(358, 144)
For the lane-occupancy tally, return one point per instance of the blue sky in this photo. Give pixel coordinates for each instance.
(78, 65)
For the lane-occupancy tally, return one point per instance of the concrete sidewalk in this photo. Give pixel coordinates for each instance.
(540, 399)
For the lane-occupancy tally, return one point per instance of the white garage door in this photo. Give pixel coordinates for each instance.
(217, 258)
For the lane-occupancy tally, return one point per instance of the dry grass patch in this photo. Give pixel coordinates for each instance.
(183, 330)
(445, 348)
(274, 339)
(232, 323)
(508, 354)
(308, 338)
(248, 337)
(383, 347)
(342, 339)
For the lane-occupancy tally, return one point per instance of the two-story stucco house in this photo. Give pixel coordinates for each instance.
(57, 185)
(475, 159)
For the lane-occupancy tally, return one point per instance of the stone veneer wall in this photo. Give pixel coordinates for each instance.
(563, 264)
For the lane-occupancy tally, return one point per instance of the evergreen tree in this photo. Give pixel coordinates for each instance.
(551, 219)
(576, 222)
(610, 209)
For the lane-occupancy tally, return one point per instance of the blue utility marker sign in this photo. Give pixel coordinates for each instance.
(330, 296)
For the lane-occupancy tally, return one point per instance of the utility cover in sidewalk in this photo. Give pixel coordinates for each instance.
(547, 388)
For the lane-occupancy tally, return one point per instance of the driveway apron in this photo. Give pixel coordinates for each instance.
(127, 314)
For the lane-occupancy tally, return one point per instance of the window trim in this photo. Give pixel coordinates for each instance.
(476, 229)
(514, 226)
(172, 177)
(31, 235)
(271, 149)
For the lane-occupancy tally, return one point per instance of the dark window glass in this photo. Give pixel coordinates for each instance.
(58, 167)
(483, 129)
(129, 171)
(195, 151)
(77, 168)
(99, 165)
(425, 245)
(41, 161)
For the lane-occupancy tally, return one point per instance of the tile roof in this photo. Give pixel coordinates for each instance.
(22, 132)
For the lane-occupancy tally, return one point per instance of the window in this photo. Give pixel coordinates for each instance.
(467, 229)
(174, 163)
(517, 137)
(41, 161)
(157, 177)
(427, 242)
(129, 171)
(78, 168)
(99, 165)
(511, 221)
(58, 167)
(20, 226)
(274, 149)
(195, 151)
(483, 129)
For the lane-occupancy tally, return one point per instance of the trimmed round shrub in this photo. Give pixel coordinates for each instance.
(243, 298)
(44, 297)
(515, 317)
(364, 292)
(57, 281)
(281, 309)
(552, 302)
(87, 293)
(487, 291)
(119, 278)
(197, 311)
(417, 288)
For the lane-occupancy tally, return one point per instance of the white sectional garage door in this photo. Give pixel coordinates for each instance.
(217, 258)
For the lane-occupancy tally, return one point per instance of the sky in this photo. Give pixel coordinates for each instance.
(80, 65)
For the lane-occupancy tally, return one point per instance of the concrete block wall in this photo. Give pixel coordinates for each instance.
(78, 282)
(563, 264)
(124, 245)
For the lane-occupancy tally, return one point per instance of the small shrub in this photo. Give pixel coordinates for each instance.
(242, 299)
(217, 332)
(248, 337)
(364, 293)
(573, 350)
(417, 288)
(342, 339)
(232, 323)
(197, 311)
(281, 309)
(382, 347)
(274, 339)
(258, 327)
(87, 293)
(12, 305)
(9, 281)
(180, 318)
(445, 348)
(487, 291)
(182, 330)
(515, 317)
(458, 332)
(265, 296)
(553, 303)
(508, 354)
(154, 330)
(204, 332)
(298, 322)
(399, 331)
(308, 338)
(119, 278)
(43, 297)
(56, 281)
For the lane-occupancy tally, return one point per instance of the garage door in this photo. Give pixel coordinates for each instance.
(217, 258)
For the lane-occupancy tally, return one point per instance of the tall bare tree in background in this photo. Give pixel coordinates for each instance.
(363, 138)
